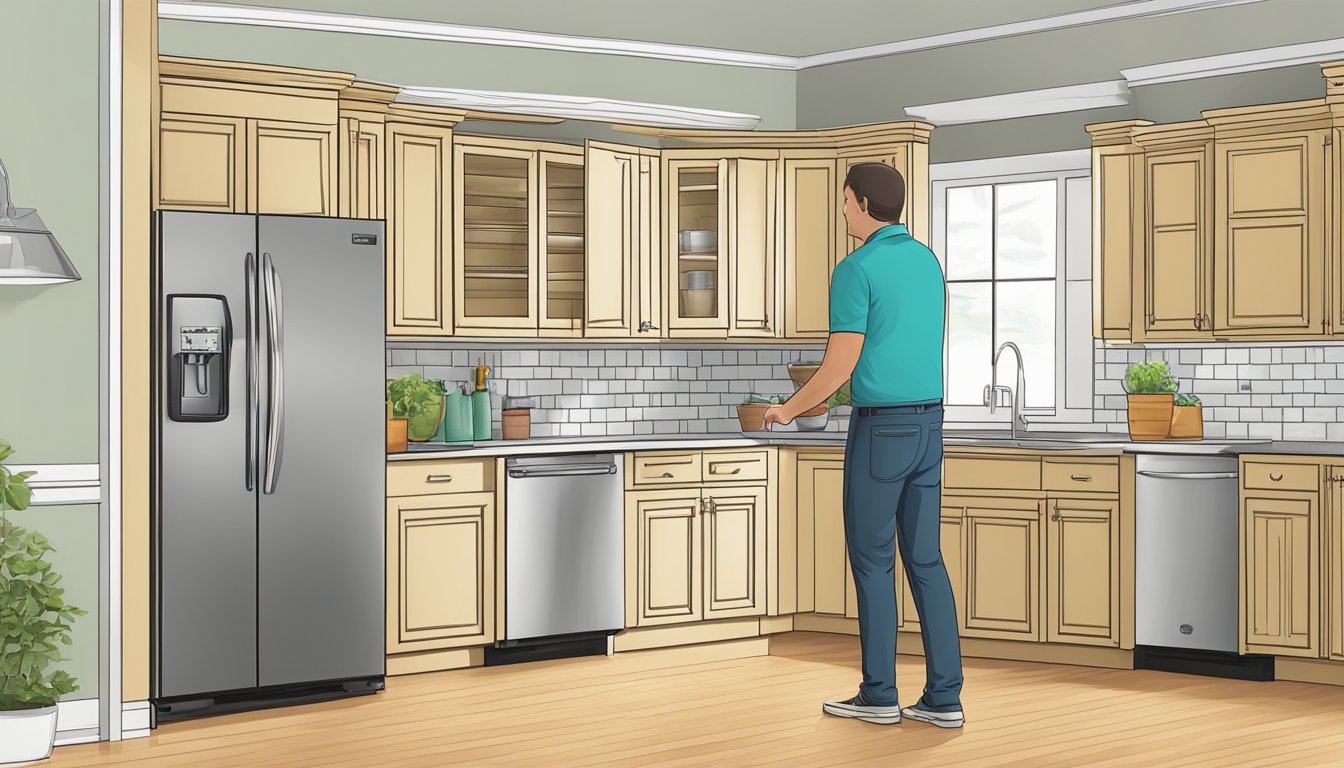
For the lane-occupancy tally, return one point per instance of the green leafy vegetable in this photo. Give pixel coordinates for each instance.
(841, 397)
(1187, 400)
(412, 395)
(1151, 378)
(35, 620)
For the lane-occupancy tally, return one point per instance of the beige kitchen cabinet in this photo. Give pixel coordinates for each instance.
(1269, 270)
(362, 149)
(202, 163)
(820, 498)
(734, 552)
(1082, 582)
(1332, 570)
(663, 557)
(1281, 574)
(247, 138)
(697, 215)
(419, 230)
(754, 259)
(811, 236)
(440, 571)
(1001, 556)
(495, 237)
(1117, 223)
(1179, 231)
(622, 270)
(560, 279)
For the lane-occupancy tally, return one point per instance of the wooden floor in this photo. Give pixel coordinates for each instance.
(648, 708)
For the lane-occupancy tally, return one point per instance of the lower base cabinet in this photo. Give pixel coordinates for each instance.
(440, 571)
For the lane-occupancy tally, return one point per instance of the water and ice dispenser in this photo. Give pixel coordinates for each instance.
(200, 337)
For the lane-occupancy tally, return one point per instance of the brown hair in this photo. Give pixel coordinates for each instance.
(881, 186)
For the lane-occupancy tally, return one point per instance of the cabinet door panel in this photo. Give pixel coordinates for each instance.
(440, 585)
(820, 496)
(561, 245)
(1003, 562)
(1083, 572)
(1333, 572)
(1115, 188)
(419, 231)
(293, 166)
(610, 234)
(810, 195)
(752, 243)
(1270, 255)
(1282, 576)
(666, 536)
(361, 169)
(697, 201)
(734, 552)
(202, 163)
(1180, 240)
(495, 240)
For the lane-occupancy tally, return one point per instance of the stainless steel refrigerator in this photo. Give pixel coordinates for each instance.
(269, 461)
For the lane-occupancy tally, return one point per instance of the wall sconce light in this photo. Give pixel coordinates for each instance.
(29, 253)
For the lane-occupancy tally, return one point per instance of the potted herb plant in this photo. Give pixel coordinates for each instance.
(1187, 418)
(751, 413)
(34, 624)
(420, 402)
(1151, 391)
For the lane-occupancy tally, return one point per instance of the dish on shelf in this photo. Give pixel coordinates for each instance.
(700, 280)
(698, 303)
(697, 240)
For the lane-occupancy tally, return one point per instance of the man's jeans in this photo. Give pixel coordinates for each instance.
(893, 485)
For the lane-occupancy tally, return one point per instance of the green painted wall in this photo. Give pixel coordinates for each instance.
(49, 144)
(772, 94)
(73, 531)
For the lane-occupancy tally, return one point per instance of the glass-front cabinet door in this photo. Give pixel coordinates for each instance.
(560, 278)
(697, 210)
(496, 266)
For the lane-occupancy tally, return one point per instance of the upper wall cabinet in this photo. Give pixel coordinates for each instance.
(622, 274)
(361, 150)
(1221, 228)
(247, 138)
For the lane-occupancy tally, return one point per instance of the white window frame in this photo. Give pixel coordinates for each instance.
(1073, 345)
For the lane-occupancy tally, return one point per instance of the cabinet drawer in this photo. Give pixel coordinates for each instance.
(1280, 477)
(416, 478)
(735, 466)
(1097, 476)
(666, 468)
(1006, 473)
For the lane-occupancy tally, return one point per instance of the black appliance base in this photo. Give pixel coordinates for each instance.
(1208, 663)
(546, 648)
(204, 705)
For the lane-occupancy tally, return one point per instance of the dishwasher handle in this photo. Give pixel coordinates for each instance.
(1189, 475)
(575, 470)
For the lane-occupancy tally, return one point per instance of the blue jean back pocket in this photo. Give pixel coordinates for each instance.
(893, 452)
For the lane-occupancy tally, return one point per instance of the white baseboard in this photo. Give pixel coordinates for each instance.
(134, 719)
(76, 721)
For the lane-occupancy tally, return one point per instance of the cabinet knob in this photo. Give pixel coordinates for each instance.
(1275, 478)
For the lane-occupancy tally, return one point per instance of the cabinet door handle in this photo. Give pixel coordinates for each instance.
(667, 463)
(1055, 516)
(1274, 477)
(438, 478)
(712, 507)
(666, 474)
(713, 470)
(1082, 478)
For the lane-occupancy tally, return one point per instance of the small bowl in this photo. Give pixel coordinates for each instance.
(812, 423)
(700, 280)
(696, 240)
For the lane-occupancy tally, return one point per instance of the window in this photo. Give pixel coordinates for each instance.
(1016, 251)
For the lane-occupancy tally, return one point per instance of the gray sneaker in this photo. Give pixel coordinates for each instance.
(859, 710)
(943, 717)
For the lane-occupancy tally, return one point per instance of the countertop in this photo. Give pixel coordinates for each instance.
(1052, 441)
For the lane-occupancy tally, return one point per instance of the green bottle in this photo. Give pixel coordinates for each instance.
(480, 406)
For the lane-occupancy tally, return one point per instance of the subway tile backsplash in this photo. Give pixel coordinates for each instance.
(1262, 392)
(628, 391)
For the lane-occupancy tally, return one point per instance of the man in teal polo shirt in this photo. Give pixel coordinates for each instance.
(888, 301)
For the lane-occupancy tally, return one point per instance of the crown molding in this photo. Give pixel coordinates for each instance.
(457, 33)
(1046, 101)
(578, 108)
(1121, 12)
(1234, 63)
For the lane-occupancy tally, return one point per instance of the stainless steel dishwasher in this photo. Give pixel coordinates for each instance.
(1186, 514)
(564, 554)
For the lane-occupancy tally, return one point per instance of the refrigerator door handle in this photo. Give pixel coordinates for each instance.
(253, 339)
(275, 325)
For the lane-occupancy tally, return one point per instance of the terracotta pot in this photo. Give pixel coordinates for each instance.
(1150, 416)
(396, 435)
(1187, 422)
(752, 416)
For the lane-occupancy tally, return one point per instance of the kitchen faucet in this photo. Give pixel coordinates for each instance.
(993, 389)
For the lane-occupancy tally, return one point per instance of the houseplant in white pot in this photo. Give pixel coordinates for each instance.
(34, 624)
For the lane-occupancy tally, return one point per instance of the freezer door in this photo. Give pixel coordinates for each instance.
(323, 455)
(204, 516)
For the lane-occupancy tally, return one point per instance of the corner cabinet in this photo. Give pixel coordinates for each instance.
(1233, 231)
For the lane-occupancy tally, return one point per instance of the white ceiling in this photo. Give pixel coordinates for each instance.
(782, 27)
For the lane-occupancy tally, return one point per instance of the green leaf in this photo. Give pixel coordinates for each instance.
(5, 449)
